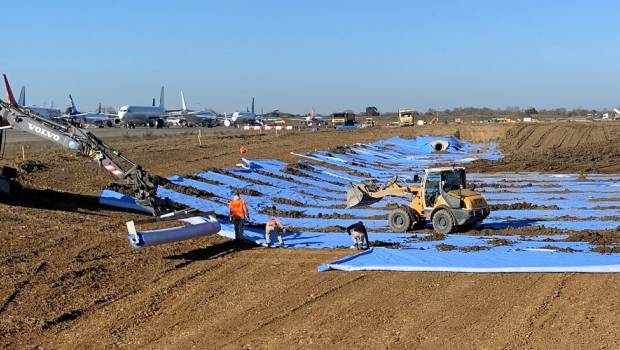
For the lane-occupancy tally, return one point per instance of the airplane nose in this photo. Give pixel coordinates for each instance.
(121, 115)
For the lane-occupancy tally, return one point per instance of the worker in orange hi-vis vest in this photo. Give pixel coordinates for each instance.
(274, 226)
(243, 150)
(238, 214)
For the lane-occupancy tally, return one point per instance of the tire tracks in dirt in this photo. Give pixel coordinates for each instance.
(541, 310)
(308, 301)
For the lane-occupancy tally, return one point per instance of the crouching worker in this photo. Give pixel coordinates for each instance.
(358, 234)
(274, 226)
(238, 215)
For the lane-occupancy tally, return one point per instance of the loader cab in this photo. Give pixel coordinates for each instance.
(438, 180)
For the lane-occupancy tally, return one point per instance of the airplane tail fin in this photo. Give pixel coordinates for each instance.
(99, 110)
(153, 104)
(252, 105)
(161, 98)
(183, 104)
(22, 97)
(9, 92)
(73, 108)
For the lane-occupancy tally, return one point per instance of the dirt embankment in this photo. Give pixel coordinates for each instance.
(558, 147)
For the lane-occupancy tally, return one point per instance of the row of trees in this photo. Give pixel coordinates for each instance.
(485, 111)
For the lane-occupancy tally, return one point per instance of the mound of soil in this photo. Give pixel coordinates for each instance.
(446, 247)
(247, 191)
(563, 250)
(521, 205)
(433, 237)
(558, 147)
(384, 244)
(500, 242)
(202, 179)
(596, 237)
(190, 191)
(449, 247)
(294, 171)
(287, 201)
(605, 249)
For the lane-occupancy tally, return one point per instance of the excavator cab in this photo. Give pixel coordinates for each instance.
(443, 199)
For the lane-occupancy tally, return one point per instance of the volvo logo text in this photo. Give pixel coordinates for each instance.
(39, 130)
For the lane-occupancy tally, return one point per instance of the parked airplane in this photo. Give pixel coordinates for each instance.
(617, 111)
(99, 119)
(187, 117)
(153, 116)
(49, 113)
(238, 118)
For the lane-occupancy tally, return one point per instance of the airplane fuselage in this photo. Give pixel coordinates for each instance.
(140, 114)
(241, 118)
(48, 113)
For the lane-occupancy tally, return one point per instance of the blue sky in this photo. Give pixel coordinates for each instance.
(333, 55)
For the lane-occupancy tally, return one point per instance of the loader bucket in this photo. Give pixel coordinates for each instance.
(357, 194)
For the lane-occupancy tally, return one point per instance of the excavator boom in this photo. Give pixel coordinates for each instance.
(141, 185)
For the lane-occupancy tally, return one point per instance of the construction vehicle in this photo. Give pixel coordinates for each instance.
(134, 179)
(343, 119)
(443, 199)
(369, 123)
(406, 117)
(136, 182)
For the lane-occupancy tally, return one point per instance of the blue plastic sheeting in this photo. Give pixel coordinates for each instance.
(314, 240)
(119, 200)
(535, 254)
(484, 261)
(256, 217)
(401, 156)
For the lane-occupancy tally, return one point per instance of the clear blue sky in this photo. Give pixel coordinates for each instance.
(333, 55)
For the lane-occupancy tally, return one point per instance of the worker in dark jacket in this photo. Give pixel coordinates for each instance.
(358, 234)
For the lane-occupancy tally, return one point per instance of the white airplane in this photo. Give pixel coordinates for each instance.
(239, 118)
(49, 113)
(617, 111)
(153, 116)
(187, 117)
(99, 119)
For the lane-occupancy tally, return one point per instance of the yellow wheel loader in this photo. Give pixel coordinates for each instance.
(443, 199)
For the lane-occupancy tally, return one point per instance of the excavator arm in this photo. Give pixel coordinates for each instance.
(142, 185)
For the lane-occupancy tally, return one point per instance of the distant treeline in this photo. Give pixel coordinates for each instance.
(514, 111)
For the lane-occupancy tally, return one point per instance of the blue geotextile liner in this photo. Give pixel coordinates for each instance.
(499, 260)
(319, 190)
(314, 240)
(534, 254)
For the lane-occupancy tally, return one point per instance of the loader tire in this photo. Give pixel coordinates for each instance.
(443, 222)
(401, 220)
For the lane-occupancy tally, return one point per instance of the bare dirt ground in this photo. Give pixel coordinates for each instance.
(68, 278)
(560, 147)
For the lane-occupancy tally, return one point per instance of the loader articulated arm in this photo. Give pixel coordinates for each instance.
(143, 186)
